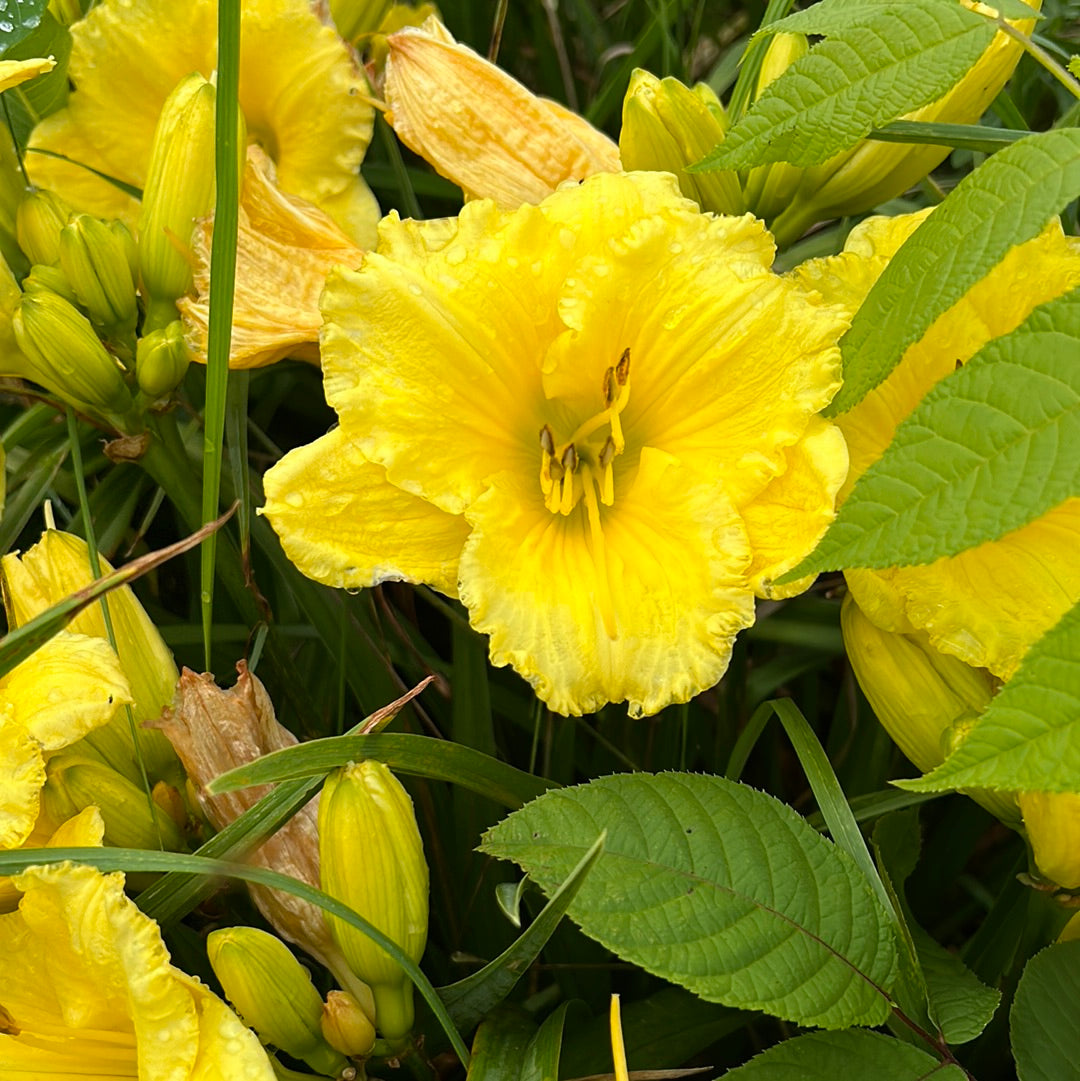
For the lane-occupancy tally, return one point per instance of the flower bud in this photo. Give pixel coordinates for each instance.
(76, 782)
(372, 859)
(356, 18)
(49, 279)
(346, 1026)
(1052, 822)
(667, 126)
(38, 221)
(161, 359)
(65, 12)
(61, 344)
(94, 260)
(273, 993)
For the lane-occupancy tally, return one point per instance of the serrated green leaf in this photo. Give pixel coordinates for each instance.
(1006, 201)
(1029, 737)
(20, 18)
(1045, 1016)
(990, 448)
(895, 60)
(716, 887)
(826, 1056)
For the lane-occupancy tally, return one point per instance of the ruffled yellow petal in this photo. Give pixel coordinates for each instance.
(668, 580)
(342, 523)
(22, 776)
(789, 516)
(479, 127)
(308, 108)
(285, 249)
(89, 988)
(15, 72)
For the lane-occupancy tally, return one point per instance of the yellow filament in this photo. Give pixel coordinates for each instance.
(596, 535)
(618, 1048)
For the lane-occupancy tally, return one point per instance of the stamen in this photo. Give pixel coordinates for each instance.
(596, 536)
(607, 476)
(570, 458)
(609, 386)
(622, 369)
(547, 440)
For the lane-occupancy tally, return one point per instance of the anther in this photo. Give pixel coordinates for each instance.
(569, 458)
(609, 386)
(622, 369)
(607, 453)
(547, 441)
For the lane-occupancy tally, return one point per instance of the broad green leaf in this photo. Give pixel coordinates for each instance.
(419, 756)
(896, 59)
(716, 887)
(1029, 736)
(1045, 1016)
(500, 1045)
(1006, 201)
(826, 1056)
(472, 998)
(18, 19)
(990, 448)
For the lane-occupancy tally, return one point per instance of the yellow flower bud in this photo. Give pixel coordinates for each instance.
(273, 993)
(783, 51)
(1052, 821)
(161, 359)
(94, 260)
(38, 221)
(67, 356)
(926, 700)
(371, 858)
(345, 1025)
(77, 781)
(667, 126)
(49, 279)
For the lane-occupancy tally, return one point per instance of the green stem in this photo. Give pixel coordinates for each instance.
(1041, 56)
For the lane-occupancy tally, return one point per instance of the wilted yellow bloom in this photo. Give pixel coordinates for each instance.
(592, 420)
(87, 990)
(479, 127)
(285, 249)
(304, 99)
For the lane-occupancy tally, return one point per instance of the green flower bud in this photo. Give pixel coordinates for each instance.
(667, 126)
(356, 18)
(273, 993)
(94, 260)
(371, 858)
(67, 356)
(49, 279)
(345, 1025)
(38, 221)
(161, 359)
(77, 781)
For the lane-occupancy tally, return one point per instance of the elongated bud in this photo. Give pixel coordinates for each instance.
(73, 363)
(273, 993)
(77, 781)
(783, 51)
(49, 279)
(179, 190)
(38, 221)
(161, 360)
(372, 859)
(346, 1026)
(94, 260)
(1052, 822)
(927, 701)
(667, 126)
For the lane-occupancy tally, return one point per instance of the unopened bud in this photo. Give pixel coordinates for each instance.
(94, 260)
(65, 12)
(38, 221)
(346, 1026)
(72, 362)
(161, 359)
(49, 279)
(1052, 822)
(371, 858)
(783, 51)
(355, 19)
(76, 782)
(273, 993)
(667, 126)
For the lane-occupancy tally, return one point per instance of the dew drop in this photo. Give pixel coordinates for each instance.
(295, 499)
(455, 256)
(6, 26)
(415, 289)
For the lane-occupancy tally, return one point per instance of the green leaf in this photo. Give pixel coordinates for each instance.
(826, 1056)
(716, 887)
(896, 58)
(990, 448)
(470, 999)
(19, 19)
(1006, 201)
(1029, 736)
(419, 756)
(38, 98)
(1045, 1015)
(978, 137)
(500, 1045)
(541, 1061)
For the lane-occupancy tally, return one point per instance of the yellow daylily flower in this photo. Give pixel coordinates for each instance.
(945, 607)
(70, 686)
(285, 249)
(15, 72)
(481, 128)
(593, 420)
(87, 990)
(304, 100)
